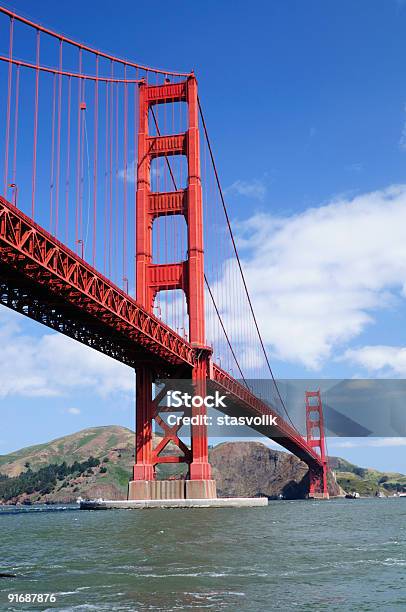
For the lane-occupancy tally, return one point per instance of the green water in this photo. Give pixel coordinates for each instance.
(300, 555)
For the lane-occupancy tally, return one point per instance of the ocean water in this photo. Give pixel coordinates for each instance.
(292, 555)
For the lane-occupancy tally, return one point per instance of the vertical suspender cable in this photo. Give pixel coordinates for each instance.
(17, 100)
(85, 231)
(10, 78)
(34, 160)
(106, 175)
(116, 186)
(95, 157)
(110, 223)
(78, 155)
(125, 182)
(51, 184)
(67, 178)
(82, 167)
(58, 143)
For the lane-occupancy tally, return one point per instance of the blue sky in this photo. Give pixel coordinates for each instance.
(305, 103)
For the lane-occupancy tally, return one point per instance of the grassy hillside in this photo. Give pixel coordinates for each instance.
(366, 481)
(97, 442)
(112, 445)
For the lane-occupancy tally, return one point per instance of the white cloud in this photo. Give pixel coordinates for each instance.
(252, 189)
(384, 360)
(53, 364)
(131, 172)
(156, 172)
(74, 411)
(369, 442)
(317, 278)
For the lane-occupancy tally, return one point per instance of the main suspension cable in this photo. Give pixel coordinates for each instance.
(239, 262)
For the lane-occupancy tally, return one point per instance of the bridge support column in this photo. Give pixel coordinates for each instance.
(143, 470)
(200, 485)
(318, 484)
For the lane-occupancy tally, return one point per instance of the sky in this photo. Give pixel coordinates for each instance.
(306, 107)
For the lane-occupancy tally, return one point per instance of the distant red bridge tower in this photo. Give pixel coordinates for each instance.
(318, 486)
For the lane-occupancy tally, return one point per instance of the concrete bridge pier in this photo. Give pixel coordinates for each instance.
(171, 489)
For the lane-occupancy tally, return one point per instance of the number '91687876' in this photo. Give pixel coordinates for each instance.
(29, 598)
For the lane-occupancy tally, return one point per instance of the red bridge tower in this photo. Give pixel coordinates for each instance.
(315, 438)
(154, 277)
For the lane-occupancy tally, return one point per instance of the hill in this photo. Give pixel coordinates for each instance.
(96, 441)
(366, 481)
(97, 462)
(112, 445)
(251, 469)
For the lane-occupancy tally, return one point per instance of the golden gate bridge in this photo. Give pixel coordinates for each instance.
(114, 231)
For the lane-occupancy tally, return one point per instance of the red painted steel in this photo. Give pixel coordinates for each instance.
(316, 439)
(171, 203)
(34, 253)
(185, 275)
